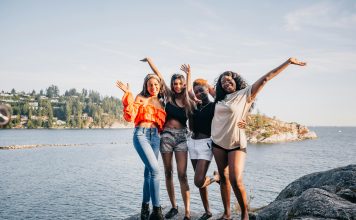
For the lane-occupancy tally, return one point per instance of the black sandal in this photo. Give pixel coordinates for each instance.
(205, 216)
(171, 213)
(223, 218)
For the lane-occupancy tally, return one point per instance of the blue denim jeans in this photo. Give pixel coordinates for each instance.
(146, 142)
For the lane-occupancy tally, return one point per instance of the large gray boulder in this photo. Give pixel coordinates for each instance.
(323, 195)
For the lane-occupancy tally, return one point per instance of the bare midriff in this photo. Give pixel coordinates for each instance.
(172, 123)
(145, 124)
(197, 136)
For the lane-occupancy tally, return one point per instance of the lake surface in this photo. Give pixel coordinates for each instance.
(102, 178)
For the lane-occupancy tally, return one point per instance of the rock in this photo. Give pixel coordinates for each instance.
(283, 137)
(308, 135)
(330, 194)
(263, 129)
(321, 203)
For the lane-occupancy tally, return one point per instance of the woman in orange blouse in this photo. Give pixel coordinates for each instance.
(148, 114)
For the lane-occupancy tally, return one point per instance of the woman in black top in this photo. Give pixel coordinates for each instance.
(200, 144)
(174, 136)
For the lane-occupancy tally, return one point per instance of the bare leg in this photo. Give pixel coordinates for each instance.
(221, 158)
(201, 181)
(168, 170)
(236, 168)
(182, 162)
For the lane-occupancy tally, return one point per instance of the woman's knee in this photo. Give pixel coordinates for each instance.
(168, 174)
(152, 171)
(224, 176)
(199, 181)
(182, 177)
(236, 181)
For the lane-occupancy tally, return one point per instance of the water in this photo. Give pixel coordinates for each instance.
(102, 179)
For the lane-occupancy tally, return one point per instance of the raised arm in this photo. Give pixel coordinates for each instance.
(153, 67)
(124, 87)
(212, 91)
(260, 83)
(186, 68)
(130, 105)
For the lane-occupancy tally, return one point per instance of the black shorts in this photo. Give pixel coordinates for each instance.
(229, 150)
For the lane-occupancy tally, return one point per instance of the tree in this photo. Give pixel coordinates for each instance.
(52, 91)
(49, 92)
(84, 93)
(78, 113)
(13, 91)
(50, 114)
(29, 113)
(68, 111)
(71, 92)
(94, 96)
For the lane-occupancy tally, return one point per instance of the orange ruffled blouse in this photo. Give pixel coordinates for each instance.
(137, 112)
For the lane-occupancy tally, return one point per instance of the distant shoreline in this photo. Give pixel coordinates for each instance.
(29, 146)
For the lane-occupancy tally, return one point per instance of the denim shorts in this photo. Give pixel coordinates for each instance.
(173, 140)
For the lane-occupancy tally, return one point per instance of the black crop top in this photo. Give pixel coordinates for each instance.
(177, 113)
(202, 119)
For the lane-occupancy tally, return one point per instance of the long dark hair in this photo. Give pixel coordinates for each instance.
(241, 83)
(189, 104)
(162, 90)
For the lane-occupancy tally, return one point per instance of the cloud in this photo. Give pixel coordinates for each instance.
(321, 15)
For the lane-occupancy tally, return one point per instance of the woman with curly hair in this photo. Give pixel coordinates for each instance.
(179, 107)
(234, 98)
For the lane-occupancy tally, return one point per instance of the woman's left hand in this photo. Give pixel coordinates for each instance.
(185, 68)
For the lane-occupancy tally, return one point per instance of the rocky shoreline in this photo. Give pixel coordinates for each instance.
(322, 195)
(265, 130)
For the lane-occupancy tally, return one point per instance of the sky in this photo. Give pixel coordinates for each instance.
(91, 44)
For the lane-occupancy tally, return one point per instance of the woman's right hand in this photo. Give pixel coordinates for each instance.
(185, 68)
(294, 61)
(146, 59)
(124, 87)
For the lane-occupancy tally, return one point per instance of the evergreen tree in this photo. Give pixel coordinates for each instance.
(50, 114)
(68, 111)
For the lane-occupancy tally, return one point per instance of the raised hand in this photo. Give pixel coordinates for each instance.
(294, 61)
(185, 68)
(242, 124)
(146, 59)
(124, 87)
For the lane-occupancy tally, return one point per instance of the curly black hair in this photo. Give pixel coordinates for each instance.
(241, 83)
